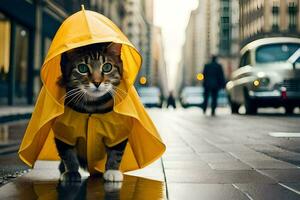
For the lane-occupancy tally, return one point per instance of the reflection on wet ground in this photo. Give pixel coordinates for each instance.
(11, 133)
(133, 188)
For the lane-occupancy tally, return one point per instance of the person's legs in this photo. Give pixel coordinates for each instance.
(214, 98)
(174, 105)
(206, 96)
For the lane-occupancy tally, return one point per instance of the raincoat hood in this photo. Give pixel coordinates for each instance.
(81, 29)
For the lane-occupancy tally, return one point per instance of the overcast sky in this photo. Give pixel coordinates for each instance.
(172, 16)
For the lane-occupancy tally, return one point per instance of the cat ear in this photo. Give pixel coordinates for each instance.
(114, 49)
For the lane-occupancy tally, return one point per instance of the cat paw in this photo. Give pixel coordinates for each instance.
(113, 175)
(70, 177)
(112, 186)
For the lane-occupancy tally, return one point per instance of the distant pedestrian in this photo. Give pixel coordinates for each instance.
(213, 81)
(171, 100)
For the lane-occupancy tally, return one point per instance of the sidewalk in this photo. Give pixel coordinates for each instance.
(198, 164)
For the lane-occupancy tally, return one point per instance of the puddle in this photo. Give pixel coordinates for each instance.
(132, 188)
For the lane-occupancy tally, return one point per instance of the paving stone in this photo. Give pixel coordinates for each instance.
(206, 149)
(191, 165)
(234, 148)
(293, 186)
(255, 156)
(270, 164)
(265, 148)
(215, 176)
(267, 192)
(179, 150)
(181, 157)
(180, 191)
(217, 157)
(284, 176)
(235, 165)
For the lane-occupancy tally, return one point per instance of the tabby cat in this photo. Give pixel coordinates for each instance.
(90, 75)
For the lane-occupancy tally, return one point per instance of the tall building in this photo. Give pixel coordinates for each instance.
(26, 31)
(267, 18)
(158, 69)
(194, 50)
(228, 46)
(212, 30)
(114, 10)
(137, 25)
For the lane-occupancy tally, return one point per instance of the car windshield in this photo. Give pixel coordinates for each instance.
(275, 52)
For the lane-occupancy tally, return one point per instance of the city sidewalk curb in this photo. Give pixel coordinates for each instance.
(15, 113)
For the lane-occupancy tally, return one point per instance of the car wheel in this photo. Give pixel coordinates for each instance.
(289, 110)
(251, 108)
(234, 106)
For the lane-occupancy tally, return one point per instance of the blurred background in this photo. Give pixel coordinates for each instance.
(175, 38)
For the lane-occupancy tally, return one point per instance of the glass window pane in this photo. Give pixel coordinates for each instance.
(4, 57)
(275, 52)
(21, 63)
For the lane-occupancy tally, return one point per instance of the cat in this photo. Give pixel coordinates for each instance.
(90, 75)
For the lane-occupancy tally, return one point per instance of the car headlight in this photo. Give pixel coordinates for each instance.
(261, 82)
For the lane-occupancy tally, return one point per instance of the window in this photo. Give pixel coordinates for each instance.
(292, 10)
(275, 12)
(245, 60)
(21, 63)
(225, 19)
(4, 57)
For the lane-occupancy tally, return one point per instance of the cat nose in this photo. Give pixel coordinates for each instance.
(97, 84)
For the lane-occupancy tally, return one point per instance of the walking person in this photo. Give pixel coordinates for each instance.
(213, 81)
(171, 100)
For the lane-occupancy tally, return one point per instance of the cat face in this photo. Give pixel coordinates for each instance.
(91, 73)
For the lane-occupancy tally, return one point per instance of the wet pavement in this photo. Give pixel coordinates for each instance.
(11, 134)
(229, 156)
(216, 158)
(41, 183)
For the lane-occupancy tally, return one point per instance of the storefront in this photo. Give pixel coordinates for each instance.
(19, 41)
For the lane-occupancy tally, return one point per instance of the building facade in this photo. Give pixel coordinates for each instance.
(212, 29)
(158, 69)
(268, 18)
(194, 50)
(228, 46)
(26, 31)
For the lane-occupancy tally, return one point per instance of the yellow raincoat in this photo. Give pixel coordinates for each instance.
(50, 115)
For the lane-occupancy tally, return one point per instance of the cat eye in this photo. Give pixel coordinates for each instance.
(83, 68)
(107, 67)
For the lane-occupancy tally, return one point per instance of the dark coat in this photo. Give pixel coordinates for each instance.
(213, 76)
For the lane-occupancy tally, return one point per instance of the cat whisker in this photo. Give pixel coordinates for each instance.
(67, 93)
(78, 98)
(120, 90)
(74, 97)
(116, 93)
(72, 94)
(82, 96)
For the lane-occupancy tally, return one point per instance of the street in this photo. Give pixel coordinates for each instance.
(222, 157)
(229, 156)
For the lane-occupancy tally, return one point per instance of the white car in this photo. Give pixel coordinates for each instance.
(192, 96)
(268, 75)
(150, 96)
